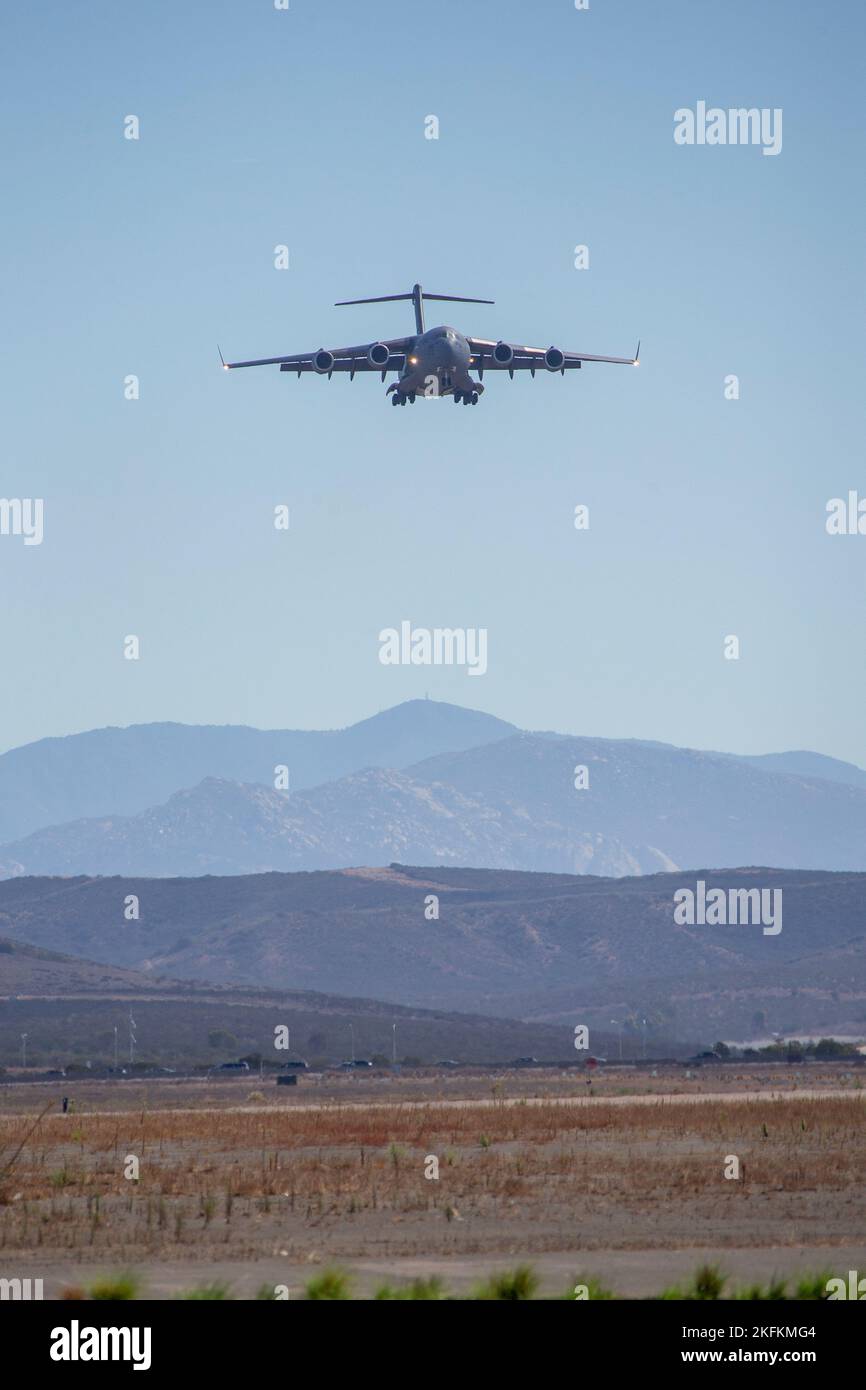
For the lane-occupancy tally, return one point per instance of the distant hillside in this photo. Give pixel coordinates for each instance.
(118, 772)
(515, 944)
(510, 804)
(70, 1008)
(809, 765)
(31, 970)
(225, 827)
(678, 805)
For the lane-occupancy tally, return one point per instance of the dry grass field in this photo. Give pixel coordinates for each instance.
(249, 1179)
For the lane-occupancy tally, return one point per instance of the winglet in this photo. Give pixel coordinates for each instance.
(637, 354)
(222, 359)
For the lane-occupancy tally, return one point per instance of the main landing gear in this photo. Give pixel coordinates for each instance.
(399, 399)
(467, 397)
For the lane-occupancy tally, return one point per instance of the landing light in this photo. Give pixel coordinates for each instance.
(413, 361)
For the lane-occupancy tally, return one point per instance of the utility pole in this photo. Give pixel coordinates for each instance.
(619, 1025)
(131, 1038)
(115, 1047)
(393, 1044)
(352, 1031)
(24, 1049)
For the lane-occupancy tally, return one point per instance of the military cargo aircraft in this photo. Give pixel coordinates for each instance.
(433, 361)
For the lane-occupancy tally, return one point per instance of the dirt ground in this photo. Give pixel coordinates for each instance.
(250, 1185)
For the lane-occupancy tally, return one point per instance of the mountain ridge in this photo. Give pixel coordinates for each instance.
(508, 804)
(504, 943)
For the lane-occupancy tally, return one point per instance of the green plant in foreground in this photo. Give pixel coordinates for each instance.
(330, 1284)
(775, 1292)
(115, 1288)
(708, 1284)
(419, 1289)
(813, 1287)
(514, 1284)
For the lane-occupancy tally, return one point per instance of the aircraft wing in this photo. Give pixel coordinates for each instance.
(345, 359)
(531, 358)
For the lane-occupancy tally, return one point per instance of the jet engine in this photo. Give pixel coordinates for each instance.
(554, 359)
(503, 354)
(323, 361)
(378, 354)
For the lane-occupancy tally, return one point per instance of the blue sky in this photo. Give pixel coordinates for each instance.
(306, 127)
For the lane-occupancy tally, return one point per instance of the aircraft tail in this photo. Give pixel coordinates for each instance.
(417, 295)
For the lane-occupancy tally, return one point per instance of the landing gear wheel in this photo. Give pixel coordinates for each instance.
(466, 398)
(412, 398)
(474, 397)
(394, 400)
(458, 396)
(402, 400)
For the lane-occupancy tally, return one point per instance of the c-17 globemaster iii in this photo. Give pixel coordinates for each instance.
(433, 361)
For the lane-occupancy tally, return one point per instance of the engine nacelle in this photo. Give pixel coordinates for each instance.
(378, 354)
(503, 354)
(323, 361)
(554, 359)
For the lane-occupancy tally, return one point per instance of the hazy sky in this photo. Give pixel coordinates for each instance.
(305, 127)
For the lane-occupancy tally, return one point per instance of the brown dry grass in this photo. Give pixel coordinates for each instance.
(351, 1181)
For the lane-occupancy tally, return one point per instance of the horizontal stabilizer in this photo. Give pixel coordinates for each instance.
(377, 299)
(458, 298)
(417, 295)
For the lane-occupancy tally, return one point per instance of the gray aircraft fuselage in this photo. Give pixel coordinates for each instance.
(437, 364)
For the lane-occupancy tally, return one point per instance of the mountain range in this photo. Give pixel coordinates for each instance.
(424, 782)
(556, 949)
(118, 771)
(74, 1010)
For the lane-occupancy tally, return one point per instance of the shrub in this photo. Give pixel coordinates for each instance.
(775, 1292)
(115, 1288)
(511, 1285)
(330, 1284)
(418, 1289)
(812, 1287)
